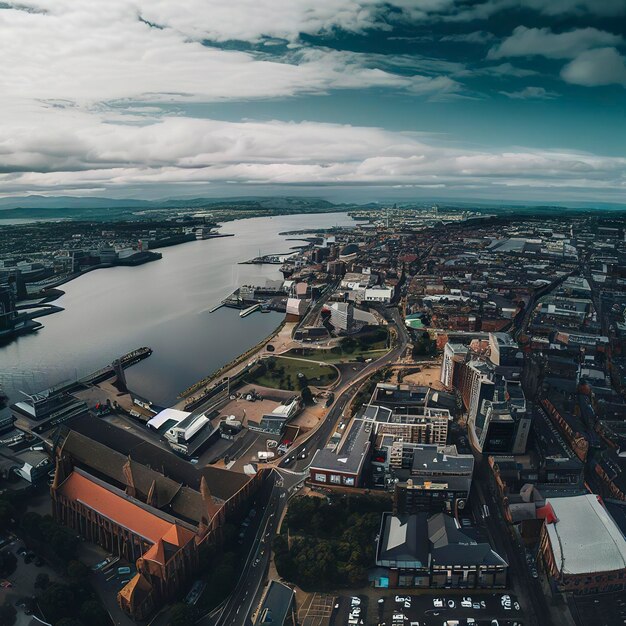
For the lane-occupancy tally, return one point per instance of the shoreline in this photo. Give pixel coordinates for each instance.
(54, 293)
(54, 285)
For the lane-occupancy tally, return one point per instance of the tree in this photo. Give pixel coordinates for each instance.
(94, 614)
(307, 396)
(42, 581)
(57, 602)
(181, 614)
(7, 511)
(8, 563)
(8, 614)
(77, 571)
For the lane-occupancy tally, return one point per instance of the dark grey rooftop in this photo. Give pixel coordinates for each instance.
(350, 454)
(451, 546)
(404, 538)
(428, 459)
(276, 605)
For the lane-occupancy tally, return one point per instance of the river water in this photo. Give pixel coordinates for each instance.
(164, 305)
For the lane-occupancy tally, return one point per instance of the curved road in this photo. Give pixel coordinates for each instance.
(241, 603)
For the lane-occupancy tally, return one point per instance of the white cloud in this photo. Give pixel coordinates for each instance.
(530, 93)
(76, 151)
(91, 52)
(543, 42)
(605, 66)
(505, 70)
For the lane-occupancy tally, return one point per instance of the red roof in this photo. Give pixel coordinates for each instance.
(118, 509)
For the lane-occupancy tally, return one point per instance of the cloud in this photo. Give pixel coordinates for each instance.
(543, 42)
(505, 70)
(604, 66)
(478, 37)
(602, 8)
(74, 150)
(530, 93)
(91, 52)
(463, 12)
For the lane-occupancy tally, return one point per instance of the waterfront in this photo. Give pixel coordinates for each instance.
(164, 305)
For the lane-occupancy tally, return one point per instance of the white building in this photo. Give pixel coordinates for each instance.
(379, 294)
(341, 315)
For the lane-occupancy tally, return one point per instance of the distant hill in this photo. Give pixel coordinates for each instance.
(95, 208)
(69, 207)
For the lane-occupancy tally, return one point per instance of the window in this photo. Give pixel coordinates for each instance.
(348, 480)
(320, 478)
(335, 478)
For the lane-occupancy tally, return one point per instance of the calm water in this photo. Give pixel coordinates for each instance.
(163, 305)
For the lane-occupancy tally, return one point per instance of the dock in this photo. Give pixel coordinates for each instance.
(250, 309)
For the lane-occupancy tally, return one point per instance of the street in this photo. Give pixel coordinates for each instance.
(237, 610)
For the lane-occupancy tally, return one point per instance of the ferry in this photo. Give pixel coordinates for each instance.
(250, 309)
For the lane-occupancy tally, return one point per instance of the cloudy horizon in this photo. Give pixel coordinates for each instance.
(501, 100)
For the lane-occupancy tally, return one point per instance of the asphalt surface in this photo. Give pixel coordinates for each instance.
(434, 609)
(529, 589)
(351, 380)
(238, 608)
(240, 605)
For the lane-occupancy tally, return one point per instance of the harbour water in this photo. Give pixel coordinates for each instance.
(164, 305)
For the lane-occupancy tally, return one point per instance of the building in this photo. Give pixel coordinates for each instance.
(342, 464)
(295, 309)
(453, 353)
(165, 549)
(144, 504)
(459, 560)
(185, 436)
(277, 606)
(403, 550)
(8, 313)
(440, 479)
(379, 294)
(341, 316)
(503, 349)
(276, 421)
(186, 433)
(582, 548)
(425, 426)
(432, 551)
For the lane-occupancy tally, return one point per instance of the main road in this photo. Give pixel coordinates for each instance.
(238, 608)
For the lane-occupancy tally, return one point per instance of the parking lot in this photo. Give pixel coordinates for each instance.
(21, 583)
(316, 609)
(604, 610)
(404, 609)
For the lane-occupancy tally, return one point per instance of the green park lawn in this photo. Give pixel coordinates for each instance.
(284, 373)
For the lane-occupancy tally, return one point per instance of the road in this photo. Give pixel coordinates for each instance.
(240, 605)
(350, 383)
(238, 608)
(528, 589)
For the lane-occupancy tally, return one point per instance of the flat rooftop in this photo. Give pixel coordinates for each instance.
(350, 453)
(585, 539)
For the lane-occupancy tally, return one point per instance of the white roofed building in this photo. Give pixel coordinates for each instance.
(583, 549)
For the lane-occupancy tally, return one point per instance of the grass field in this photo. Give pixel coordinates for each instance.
(284, 373)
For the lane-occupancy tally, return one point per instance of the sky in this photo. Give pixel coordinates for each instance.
(495, 100)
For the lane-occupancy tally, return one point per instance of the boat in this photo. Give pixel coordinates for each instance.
(250, 309)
